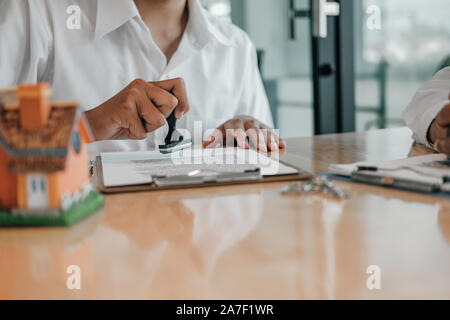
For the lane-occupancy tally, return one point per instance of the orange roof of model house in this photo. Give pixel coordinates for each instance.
(39, 137)
(41, 149)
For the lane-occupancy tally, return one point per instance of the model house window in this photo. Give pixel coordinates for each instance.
(76, 141)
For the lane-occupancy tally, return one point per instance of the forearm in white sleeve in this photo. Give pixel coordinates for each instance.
(254, 100)
(426, 104)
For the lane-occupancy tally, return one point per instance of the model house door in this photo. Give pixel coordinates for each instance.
(37, 191)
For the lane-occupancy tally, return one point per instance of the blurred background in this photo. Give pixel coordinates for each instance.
(398, 45)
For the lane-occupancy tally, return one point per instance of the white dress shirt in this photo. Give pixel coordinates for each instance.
(113, 46)
(426, 104)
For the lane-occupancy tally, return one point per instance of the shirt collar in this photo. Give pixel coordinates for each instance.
(201, 26)
(111, 14)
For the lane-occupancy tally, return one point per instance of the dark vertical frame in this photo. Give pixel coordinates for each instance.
(325, 78)
(346, 67)
(333, 74)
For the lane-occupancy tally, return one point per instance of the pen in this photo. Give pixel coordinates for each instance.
(395, 182)
(367, 168)
(445, 178)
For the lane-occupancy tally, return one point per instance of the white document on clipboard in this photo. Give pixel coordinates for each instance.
(138, 168)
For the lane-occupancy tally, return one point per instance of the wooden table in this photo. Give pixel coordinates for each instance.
(247, 242)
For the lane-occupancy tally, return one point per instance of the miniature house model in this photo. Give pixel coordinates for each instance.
(43, 153)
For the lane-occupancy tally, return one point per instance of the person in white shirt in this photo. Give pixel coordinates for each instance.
(428, 114)
(131, 63)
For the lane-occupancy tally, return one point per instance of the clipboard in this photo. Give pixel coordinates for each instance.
(423, 174)
(224, 180)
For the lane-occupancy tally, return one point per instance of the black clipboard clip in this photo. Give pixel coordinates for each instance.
(199, 177)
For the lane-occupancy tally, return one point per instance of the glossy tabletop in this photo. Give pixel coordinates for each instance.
(248, 241)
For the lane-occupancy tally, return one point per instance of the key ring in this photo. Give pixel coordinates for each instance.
(316, 185)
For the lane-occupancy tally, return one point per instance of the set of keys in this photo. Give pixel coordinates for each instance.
(316, 185)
